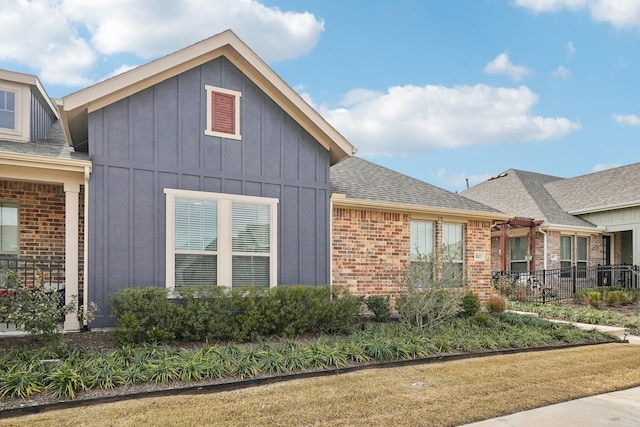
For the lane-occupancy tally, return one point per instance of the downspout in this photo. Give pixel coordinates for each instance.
(85, 269)
(544, 248)
(331, 244)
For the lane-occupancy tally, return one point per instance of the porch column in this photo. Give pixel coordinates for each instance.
(72, 193)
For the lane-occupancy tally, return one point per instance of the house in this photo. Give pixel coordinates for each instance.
(383, 220)
(203, 167)
(589, 220)
(42, 187)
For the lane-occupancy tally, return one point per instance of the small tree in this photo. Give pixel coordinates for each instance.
(432, 289)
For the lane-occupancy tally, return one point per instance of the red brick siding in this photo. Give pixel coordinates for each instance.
(371, 248)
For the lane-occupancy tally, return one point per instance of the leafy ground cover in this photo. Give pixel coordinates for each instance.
(624, 316)
(31, 374)
(438, 394)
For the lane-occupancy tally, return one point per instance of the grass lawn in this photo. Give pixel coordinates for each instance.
(440, 394)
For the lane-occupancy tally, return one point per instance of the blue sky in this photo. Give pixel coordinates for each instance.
(445, 91)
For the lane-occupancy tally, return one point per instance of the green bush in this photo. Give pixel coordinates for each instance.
(380, 306)
(470, 304)
(145, 315)
(244, 314)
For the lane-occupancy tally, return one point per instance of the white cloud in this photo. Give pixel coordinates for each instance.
(571, 50)
(52, 47)
(147, 30)
(626, 119)
(604, 166)
(550, 5)
(619, 13)
(561, 73)
(64, 46)
(502, 65)
(409, 119)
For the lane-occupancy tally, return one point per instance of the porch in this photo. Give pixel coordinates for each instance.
(562, 283)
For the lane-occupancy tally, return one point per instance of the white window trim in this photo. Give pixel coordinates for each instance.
(225, 202)
(22, 104)
(236, 135)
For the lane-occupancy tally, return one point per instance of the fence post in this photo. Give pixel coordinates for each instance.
(574, 278)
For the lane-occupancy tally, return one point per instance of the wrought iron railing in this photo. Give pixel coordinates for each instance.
(563, 283)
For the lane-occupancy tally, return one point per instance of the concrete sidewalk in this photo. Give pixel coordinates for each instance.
(619, 408)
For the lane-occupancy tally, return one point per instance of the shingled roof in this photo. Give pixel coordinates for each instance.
(54, 146)
(526, 194)
(599, 191)
(363, 180)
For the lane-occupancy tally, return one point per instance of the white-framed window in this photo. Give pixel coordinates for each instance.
(7, 109)
(582, 243)
(220, 239)
(453, 250)
(9, 228)
(422, 240)
(223, 112)
(518, 250)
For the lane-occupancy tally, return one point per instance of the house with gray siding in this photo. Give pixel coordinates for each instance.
(207, 169)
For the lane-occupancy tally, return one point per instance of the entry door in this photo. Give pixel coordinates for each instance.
(606, 250)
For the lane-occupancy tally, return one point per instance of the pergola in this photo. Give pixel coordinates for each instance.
(513, 223)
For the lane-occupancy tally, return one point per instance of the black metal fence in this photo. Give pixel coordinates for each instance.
(49, 273)
(563, 283)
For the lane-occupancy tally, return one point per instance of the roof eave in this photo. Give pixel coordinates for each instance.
(602, 208)
(340, 200)
(78, 104)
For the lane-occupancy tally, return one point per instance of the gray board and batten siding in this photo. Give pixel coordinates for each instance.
(154, 139)
(41, 118)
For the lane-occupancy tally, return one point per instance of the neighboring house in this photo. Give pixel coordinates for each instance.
(588, 220)
(383, 220)
(42, 183)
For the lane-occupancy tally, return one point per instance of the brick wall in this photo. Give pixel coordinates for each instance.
(371, 249)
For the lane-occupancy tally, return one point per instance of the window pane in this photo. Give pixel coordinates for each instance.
(581, 249)
(250, 271)
(421, 239)
(251, 228)
(199, 270)
(196, 225)
(7, 109)
(565, 248)
(452, 241)
(8, 227)
(518, 248)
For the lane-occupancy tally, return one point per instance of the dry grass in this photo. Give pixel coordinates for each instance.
(442, 394)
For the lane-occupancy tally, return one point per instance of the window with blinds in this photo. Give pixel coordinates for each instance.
(250, 244)
(223, 112)
(8, 228)
(453, 250)
(220, 239)
(196, 242)
(7, 109)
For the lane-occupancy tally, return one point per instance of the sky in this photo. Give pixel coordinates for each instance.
(450, 92)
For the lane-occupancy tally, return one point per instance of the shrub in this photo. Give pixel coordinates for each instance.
(470, 304)
(37, 310)
(380, 306)
(593, 298)
(244, 314)
(144, 315)
(614, 298)
(496, 304)
(430, 296)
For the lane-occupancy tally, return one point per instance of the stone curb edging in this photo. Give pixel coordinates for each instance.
(242, 384)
